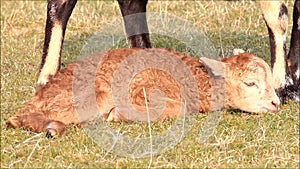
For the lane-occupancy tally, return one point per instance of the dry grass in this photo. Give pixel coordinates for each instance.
(240, 140)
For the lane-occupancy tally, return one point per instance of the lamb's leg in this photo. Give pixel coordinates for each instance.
(58, 13)
(134, 15)
(117, 114)
(36, 122)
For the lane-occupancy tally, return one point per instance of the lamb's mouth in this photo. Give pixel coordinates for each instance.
(271, 109)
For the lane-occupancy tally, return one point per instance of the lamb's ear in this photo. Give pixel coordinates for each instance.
(214, 67)
(216, 71)
(238, 51)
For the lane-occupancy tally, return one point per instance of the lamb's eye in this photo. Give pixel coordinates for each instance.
(250, 84)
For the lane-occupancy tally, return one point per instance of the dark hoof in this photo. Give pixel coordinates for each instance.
(55, 129)
(289, 92)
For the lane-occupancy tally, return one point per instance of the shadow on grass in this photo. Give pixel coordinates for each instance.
(225, 42)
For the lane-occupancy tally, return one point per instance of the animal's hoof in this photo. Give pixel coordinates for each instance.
(111, 116)
(55, 129)
(289, 92)
(51, 133)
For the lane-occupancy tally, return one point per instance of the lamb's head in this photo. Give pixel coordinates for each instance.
(249, 84)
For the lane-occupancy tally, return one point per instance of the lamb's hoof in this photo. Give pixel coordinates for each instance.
(51, 133)
(112, 116)
(55, 129)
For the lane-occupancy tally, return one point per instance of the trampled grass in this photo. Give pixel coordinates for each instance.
(240, 140)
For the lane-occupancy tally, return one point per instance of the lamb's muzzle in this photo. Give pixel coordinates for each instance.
(248, 86)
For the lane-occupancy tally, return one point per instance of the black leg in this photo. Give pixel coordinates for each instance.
(292, 88)
(58, 14)
(134, 15)
(285, 67)
(294, 53)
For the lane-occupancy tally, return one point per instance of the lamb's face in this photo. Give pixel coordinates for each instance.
(250, 86)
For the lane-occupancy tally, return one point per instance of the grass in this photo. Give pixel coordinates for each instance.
(240, 140)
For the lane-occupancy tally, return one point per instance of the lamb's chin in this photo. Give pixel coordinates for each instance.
(269, 110)
(256, 110)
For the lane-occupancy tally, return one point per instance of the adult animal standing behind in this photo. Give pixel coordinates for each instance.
(285, 67)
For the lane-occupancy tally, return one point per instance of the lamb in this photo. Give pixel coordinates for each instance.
(100, 77)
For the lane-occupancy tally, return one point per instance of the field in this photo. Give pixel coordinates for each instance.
(240, 140)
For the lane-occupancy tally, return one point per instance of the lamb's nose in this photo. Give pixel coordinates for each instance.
(276, 103)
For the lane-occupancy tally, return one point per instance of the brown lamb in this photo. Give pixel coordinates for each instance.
(93, 87)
